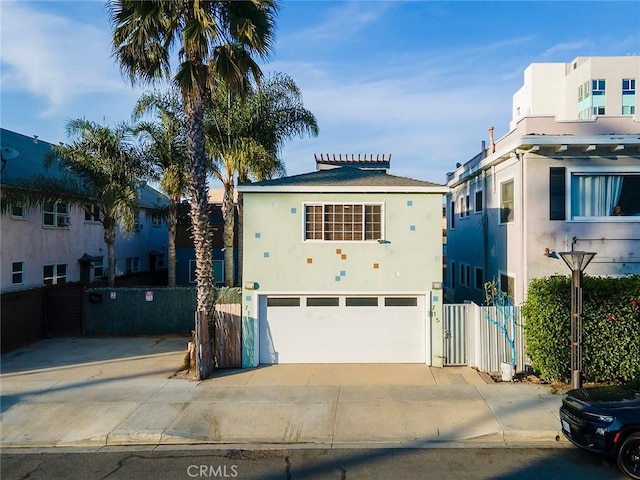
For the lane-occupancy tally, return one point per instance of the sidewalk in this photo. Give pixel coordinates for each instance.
(96, 392)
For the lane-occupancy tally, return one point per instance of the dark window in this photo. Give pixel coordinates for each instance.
(362, 301)
(92, 213)
(453, 274)
(467, 205)
(453, 215)
(478, 202)
(557, 191)
(283, 301)
(508, 285)
(468, 275)
(479, 279)
(323, 301)
(400, 302)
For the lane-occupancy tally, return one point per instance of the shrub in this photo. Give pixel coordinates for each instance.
(610, 328)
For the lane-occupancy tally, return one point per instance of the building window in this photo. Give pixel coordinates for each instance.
(18, 211)
(453, 274)
(156, 220)
(401, 302)
(628, 110)
(461, 208)
(343, 222)
(323, 302)
(478, 202)
(598, 110)
(508, 285)
(557, 195)
(91, 213)
(506, 202)
(479, 280)
(467, 205)
(17, 273)
(463, 279)
(55, 215)
(132, 265)
(628, 86)
(362, 301)
(98, 268)
(452, 215)
(604, 195)
(54, 274)
(283, 301)
(583, 91)
(598, 87)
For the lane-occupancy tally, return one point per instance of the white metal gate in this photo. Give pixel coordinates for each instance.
(455, 335)
(471, 339)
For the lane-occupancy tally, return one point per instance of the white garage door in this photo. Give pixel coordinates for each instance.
(342, 329)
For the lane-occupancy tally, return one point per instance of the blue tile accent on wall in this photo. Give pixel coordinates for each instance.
(338, 278)
(409, 203)
(257, 235)
(342, 273)
(435, 298)
(412, 228)
(265, 254)
(293, 210)
(247, 298)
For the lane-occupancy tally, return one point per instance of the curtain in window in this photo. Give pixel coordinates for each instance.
(595, 195)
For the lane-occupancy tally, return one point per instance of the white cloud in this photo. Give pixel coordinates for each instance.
(55, 58)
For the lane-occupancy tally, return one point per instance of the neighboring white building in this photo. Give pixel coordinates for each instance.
(551, 184)
(583, 89)
(57, 243)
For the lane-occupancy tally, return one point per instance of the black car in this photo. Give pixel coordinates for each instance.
(606, 421)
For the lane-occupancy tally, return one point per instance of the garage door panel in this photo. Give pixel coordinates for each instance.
(343, 334)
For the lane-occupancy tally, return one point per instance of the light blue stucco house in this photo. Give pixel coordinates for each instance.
(342, 265)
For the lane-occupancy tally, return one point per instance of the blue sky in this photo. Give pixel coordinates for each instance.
(421, 80)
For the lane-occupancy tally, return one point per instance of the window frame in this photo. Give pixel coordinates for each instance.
(571, 172)
(475, 201)
(631, 86)
(477, 270)
(508, 276)
(324, 232)
(131, 265)
(55, 276)
(21, 272)
(91, 213)
(19, 216)
(56, 214)
(502, 202)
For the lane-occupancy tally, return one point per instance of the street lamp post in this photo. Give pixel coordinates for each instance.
(577, 261)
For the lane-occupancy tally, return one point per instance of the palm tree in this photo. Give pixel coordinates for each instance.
(100, 168)
(164, 144)
(216, 39)
(246, 136)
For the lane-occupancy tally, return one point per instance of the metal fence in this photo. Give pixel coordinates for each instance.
(471, 339)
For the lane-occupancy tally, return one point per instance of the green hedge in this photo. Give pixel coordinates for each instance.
(611, 328)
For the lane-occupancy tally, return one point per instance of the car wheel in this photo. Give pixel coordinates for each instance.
(629, 456)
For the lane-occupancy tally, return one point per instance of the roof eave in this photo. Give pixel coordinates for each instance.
(342, 189)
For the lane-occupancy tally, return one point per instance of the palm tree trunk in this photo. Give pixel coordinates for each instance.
(110, 240)
(199, 211)
(227, 215)
(171, 241)
(240, 237)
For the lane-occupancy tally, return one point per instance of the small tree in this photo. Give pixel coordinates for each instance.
(503, 316)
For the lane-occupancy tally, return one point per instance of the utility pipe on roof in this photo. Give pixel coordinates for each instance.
(491, 140)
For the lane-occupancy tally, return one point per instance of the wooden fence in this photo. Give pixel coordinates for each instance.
(227, 336)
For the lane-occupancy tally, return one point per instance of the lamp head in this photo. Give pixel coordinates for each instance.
(577, 260)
